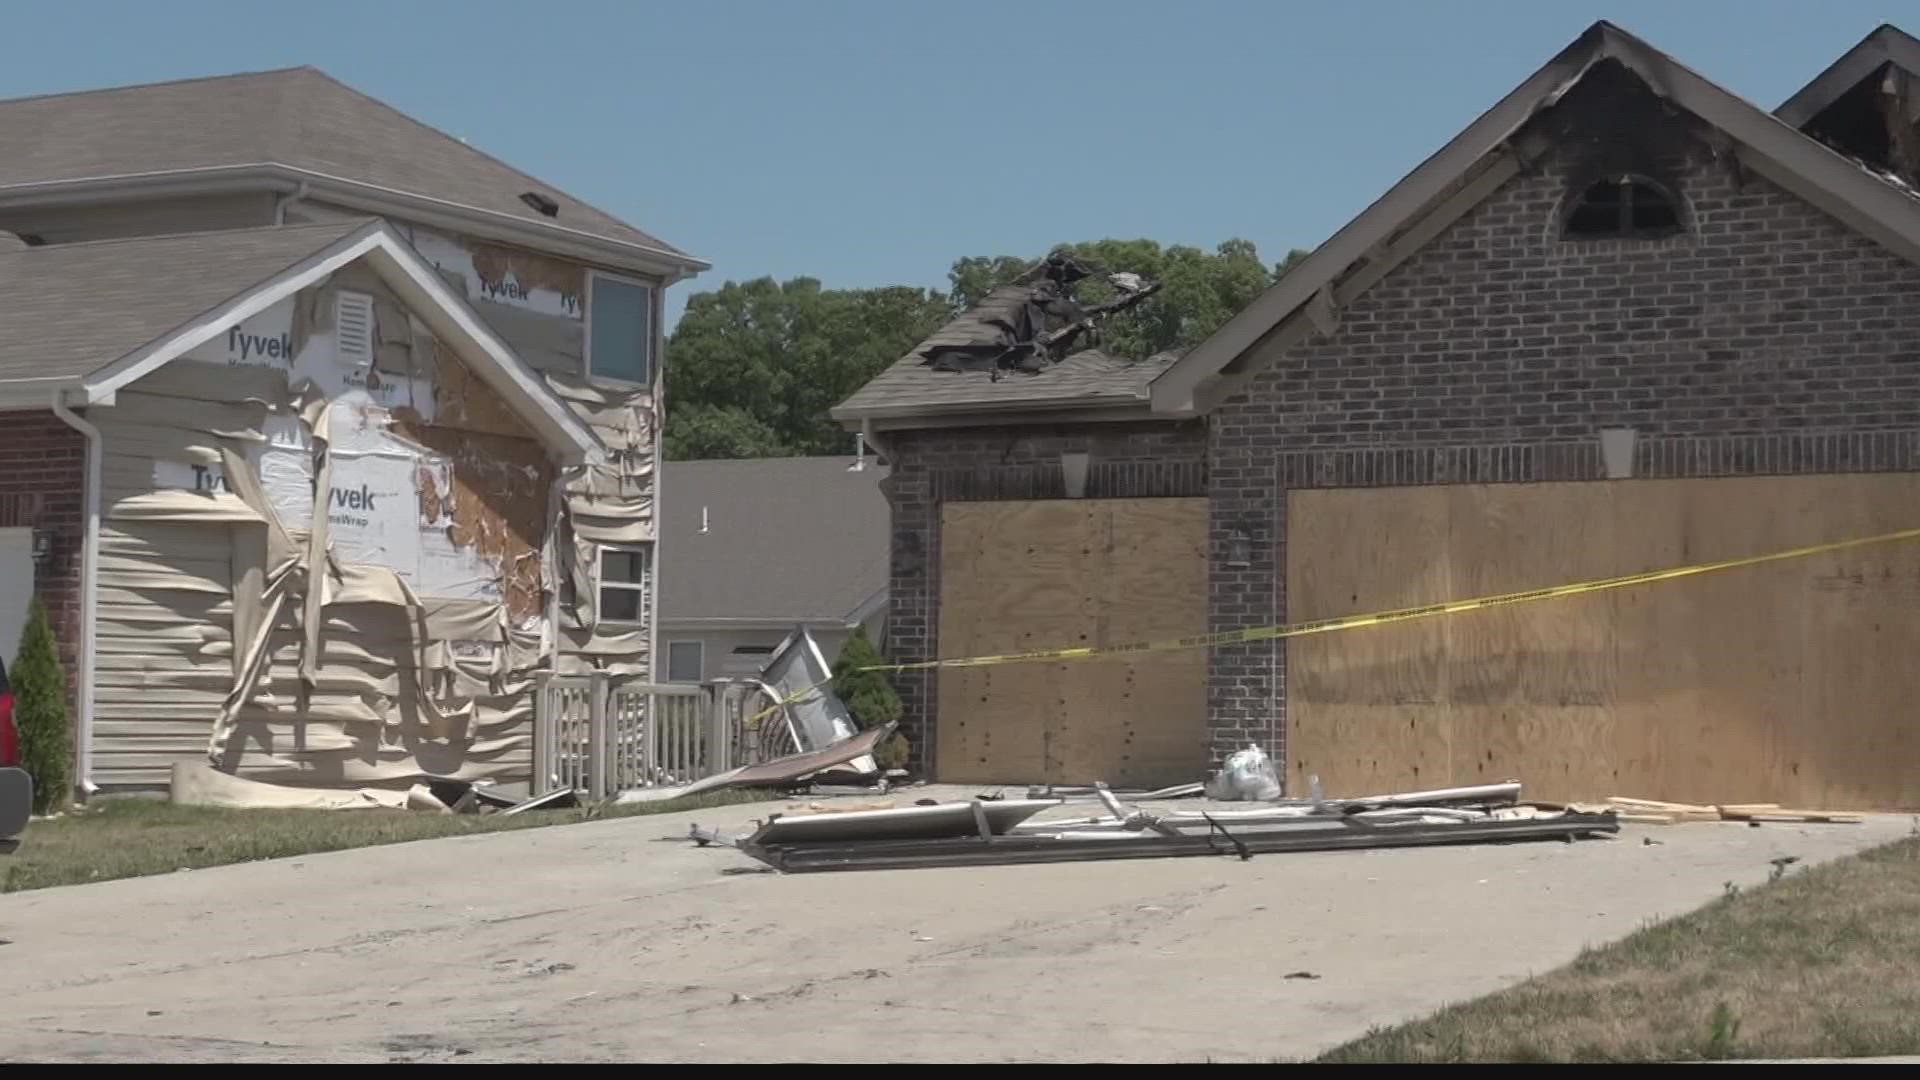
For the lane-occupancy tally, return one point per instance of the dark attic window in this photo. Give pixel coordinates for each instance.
(1623, 207)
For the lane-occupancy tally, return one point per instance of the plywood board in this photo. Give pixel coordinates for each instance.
(1366, 710)
(1021, 576)
(1789, 682)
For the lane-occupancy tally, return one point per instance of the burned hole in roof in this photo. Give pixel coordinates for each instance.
(1049, 313)
(542, 203)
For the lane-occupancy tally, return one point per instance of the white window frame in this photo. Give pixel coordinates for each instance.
(653, 331)
(644, 587)
(698, 643)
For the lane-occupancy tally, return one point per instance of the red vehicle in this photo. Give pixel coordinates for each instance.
(9, 735)
(16, 789)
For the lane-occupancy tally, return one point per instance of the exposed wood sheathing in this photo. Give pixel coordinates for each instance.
(539, 305)
(1789, 682)
(1054, 573)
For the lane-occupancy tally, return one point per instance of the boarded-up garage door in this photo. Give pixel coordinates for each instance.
(1792, 682)
(1018, 576)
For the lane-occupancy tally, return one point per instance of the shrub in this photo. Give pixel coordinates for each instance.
(869, 695)
(40, 712)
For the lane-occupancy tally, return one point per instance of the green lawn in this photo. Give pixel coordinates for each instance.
(1820, 963)
(118, 838)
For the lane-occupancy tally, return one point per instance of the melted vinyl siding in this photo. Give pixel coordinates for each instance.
(164, 633)
(524, 297)
(398, 691)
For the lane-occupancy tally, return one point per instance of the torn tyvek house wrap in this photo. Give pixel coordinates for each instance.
(293, 590)
(606, 505)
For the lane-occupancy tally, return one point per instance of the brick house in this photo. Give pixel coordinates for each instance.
(1625, 320)
(322, 434)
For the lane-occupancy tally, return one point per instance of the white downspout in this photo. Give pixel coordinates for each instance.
(89, 593)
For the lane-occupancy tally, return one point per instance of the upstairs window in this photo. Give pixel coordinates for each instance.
(1623, 207)
(619, 330)
(624, 585)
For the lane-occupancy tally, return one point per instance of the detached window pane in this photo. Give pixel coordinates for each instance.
(620, 331)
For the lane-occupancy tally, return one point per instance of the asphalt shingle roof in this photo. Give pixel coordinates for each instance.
(301, 118)
(71, 309)
(798, 539)
(1088, 377)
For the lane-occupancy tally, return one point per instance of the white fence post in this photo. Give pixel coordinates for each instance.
(598, 745)
(544, 723)
(719, 731)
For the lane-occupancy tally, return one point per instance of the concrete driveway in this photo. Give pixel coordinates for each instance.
(619, 941)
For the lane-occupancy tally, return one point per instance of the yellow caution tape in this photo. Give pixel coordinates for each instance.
(1356, 622)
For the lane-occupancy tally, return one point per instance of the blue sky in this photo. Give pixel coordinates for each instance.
(867, 142)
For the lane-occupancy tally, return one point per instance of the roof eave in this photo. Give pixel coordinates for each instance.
(668, 265)
(1103, 407)
(35, 393)
(1886, 44)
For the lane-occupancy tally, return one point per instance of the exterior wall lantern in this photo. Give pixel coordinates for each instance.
(1239, 548)
(1073, 471)
(42, 545)
(1616, 452)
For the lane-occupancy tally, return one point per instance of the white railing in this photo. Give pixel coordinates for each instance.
(601, 734)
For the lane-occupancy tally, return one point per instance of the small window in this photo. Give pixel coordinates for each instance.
(623, 585)
(686, 661)
(1623, 207)
(620, 330)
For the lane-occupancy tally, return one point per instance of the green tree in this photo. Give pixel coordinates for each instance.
(869, 695)
(754, 367)
(1200, 290)
(40, 713)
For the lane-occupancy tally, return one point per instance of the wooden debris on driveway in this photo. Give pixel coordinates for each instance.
(1655, 812)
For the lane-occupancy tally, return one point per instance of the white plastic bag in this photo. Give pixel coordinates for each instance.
(1248, 777)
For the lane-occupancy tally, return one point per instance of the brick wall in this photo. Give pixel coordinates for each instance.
(932, 467)
(42, 472)
(1768, 338)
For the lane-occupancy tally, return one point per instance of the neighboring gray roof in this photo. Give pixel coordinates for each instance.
(68, 310)
(1089, 378)
(788, 539)
(300, 118)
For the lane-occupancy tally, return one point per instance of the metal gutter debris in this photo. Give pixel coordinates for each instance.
(983, 832)
(1348, 834)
